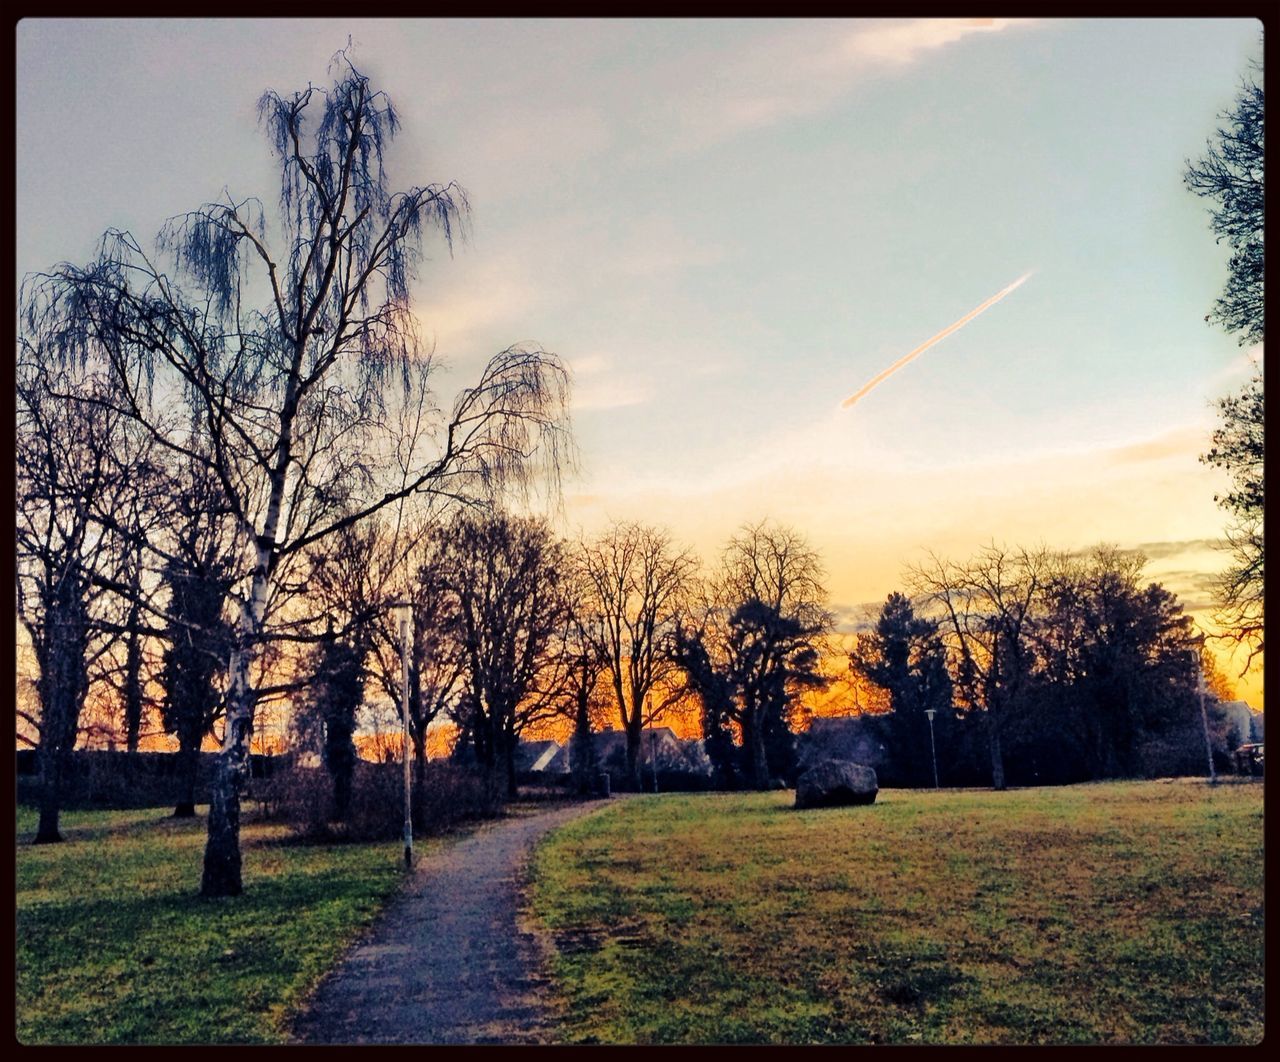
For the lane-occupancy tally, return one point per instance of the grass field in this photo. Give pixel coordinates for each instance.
(115, 946)
(1110, 913)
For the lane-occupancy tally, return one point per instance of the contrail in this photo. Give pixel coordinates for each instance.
(881, 377)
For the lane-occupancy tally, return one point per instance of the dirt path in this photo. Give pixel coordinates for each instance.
(447, 962)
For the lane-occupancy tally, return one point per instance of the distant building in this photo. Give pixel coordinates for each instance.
(1244, 724)
(657, 744)
(541, 757)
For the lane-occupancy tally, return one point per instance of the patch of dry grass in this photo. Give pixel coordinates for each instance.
(1111, 913)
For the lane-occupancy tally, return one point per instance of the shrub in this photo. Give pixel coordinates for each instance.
(101, 779)
(444, 795)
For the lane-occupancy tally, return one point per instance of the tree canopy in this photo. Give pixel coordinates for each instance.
(286, 361)
(1231, 177)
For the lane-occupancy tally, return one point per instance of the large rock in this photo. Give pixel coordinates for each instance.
(836, 783)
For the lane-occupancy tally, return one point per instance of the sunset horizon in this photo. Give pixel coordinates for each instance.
(639, 531)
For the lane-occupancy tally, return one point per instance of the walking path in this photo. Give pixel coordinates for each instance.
(447, 962)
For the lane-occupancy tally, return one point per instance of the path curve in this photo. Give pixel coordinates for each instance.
(447, 962)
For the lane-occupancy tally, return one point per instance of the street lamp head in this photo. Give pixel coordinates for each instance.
(402, 610)
(931, 712)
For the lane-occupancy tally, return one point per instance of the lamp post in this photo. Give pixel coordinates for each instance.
(406, 622)
(1204, 714)
(653, 759)
(933, 749)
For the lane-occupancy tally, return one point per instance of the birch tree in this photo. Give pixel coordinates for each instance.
(289, 364)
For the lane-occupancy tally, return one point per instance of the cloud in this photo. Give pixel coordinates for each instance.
(1179, 442)
(1196, 589)
(609, 394)
(780, 75)
(1157, 551)
(857, 618)
(654, 245)
(904, 42)
(589, 364)
(599, 385)
(871, 509)
(525, 146)
(468, 300)
(1241, 367)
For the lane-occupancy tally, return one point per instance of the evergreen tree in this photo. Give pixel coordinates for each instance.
(905, 656)
(1231, 177)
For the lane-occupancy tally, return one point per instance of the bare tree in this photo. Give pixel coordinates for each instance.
(296, 376)
(573, 684)
(73, 464)
(345, 593)
(986, 607)
(639, 582)
(436, 662)
(504, 577)
(134, 648)
(199, 572)
(759, 645)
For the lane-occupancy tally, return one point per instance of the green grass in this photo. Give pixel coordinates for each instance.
(114, 944)
(1110, 913)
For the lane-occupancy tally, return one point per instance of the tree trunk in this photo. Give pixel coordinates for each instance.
(759, 758)
(513, 788)
(635, 764)
(340, 759)
(62, 686)
(419, 740)
(133, 686)
(51, 764)
(188, 771)
(997, 757)
(222, 850)
(754, 755)
(582, 750)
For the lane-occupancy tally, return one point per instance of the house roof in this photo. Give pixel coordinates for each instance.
(659, 742)
(539, 756)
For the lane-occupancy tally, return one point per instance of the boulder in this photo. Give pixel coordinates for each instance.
(836, 783)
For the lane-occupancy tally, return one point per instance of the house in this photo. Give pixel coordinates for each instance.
(543, 758)
(658, 744)
(677, 760)
(1244, 724)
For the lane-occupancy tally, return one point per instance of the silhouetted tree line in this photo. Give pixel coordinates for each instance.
(1042, 668)
(234, 474)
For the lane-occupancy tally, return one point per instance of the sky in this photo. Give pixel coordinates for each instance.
(727, 228)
